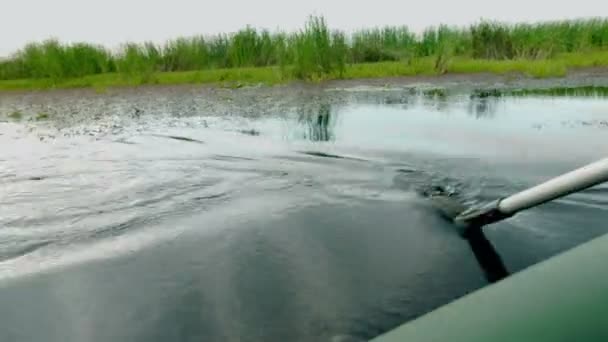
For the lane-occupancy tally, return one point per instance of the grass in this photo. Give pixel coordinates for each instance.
(16, 115)
(314, 53)
(100, 83)
(238, 77)
(42, 116)
(549, 67)
(534, 68)
(423, 66)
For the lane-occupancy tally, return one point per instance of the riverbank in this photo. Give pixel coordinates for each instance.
(558, 66)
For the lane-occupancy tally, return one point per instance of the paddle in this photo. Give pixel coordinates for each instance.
(479, 216)
(469, 221)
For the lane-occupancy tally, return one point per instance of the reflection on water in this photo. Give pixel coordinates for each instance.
(588, 91)
(483, 104)
(319, 123)
(487, 122)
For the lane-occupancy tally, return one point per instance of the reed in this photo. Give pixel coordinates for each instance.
(316, 52)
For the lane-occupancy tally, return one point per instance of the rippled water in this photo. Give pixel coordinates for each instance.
(184, 214)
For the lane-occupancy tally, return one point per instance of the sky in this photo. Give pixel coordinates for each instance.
(112, 22)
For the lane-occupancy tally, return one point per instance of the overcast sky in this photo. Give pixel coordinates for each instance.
(111, 22)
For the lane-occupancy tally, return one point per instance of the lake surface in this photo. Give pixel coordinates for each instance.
(282, 214)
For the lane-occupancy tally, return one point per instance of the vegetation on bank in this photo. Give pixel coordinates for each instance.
(314, 53)
(238, 77)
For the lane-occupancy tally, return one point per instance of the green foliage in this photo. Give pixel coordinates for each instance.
(218, 51)
(240, 77)
(16, 115)
(50, 59)
(186, 54)
(139, 61)
(494, 40)
(316, 55)
(11, 69)
(244, 49)
(42, 116)
(378, 45)
(316, 52)
(339, 52)
(491, 41)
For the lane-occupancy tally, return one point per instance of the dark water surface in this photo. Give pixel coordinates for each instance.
(271, 215)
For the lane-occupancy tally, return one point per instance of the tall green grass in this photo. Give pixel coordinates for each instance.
(494, 40)
(316, 52)
(53, 60)
(237, 77)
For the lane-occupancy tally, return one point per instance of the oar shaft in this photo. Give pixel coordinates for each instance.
(577, 180)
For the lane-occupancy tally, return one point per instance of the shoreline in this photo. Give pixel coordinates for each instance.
(59, 105)
(566, 66)
(577, 77)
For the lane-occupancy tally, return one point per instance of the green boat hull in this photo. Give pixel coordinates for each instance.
(562, 299)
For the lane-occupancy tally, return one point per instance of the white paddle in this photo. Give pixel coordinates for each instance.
(478, 216)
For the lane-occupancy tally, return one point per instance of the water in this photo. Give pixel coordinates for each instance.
(277, 214)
